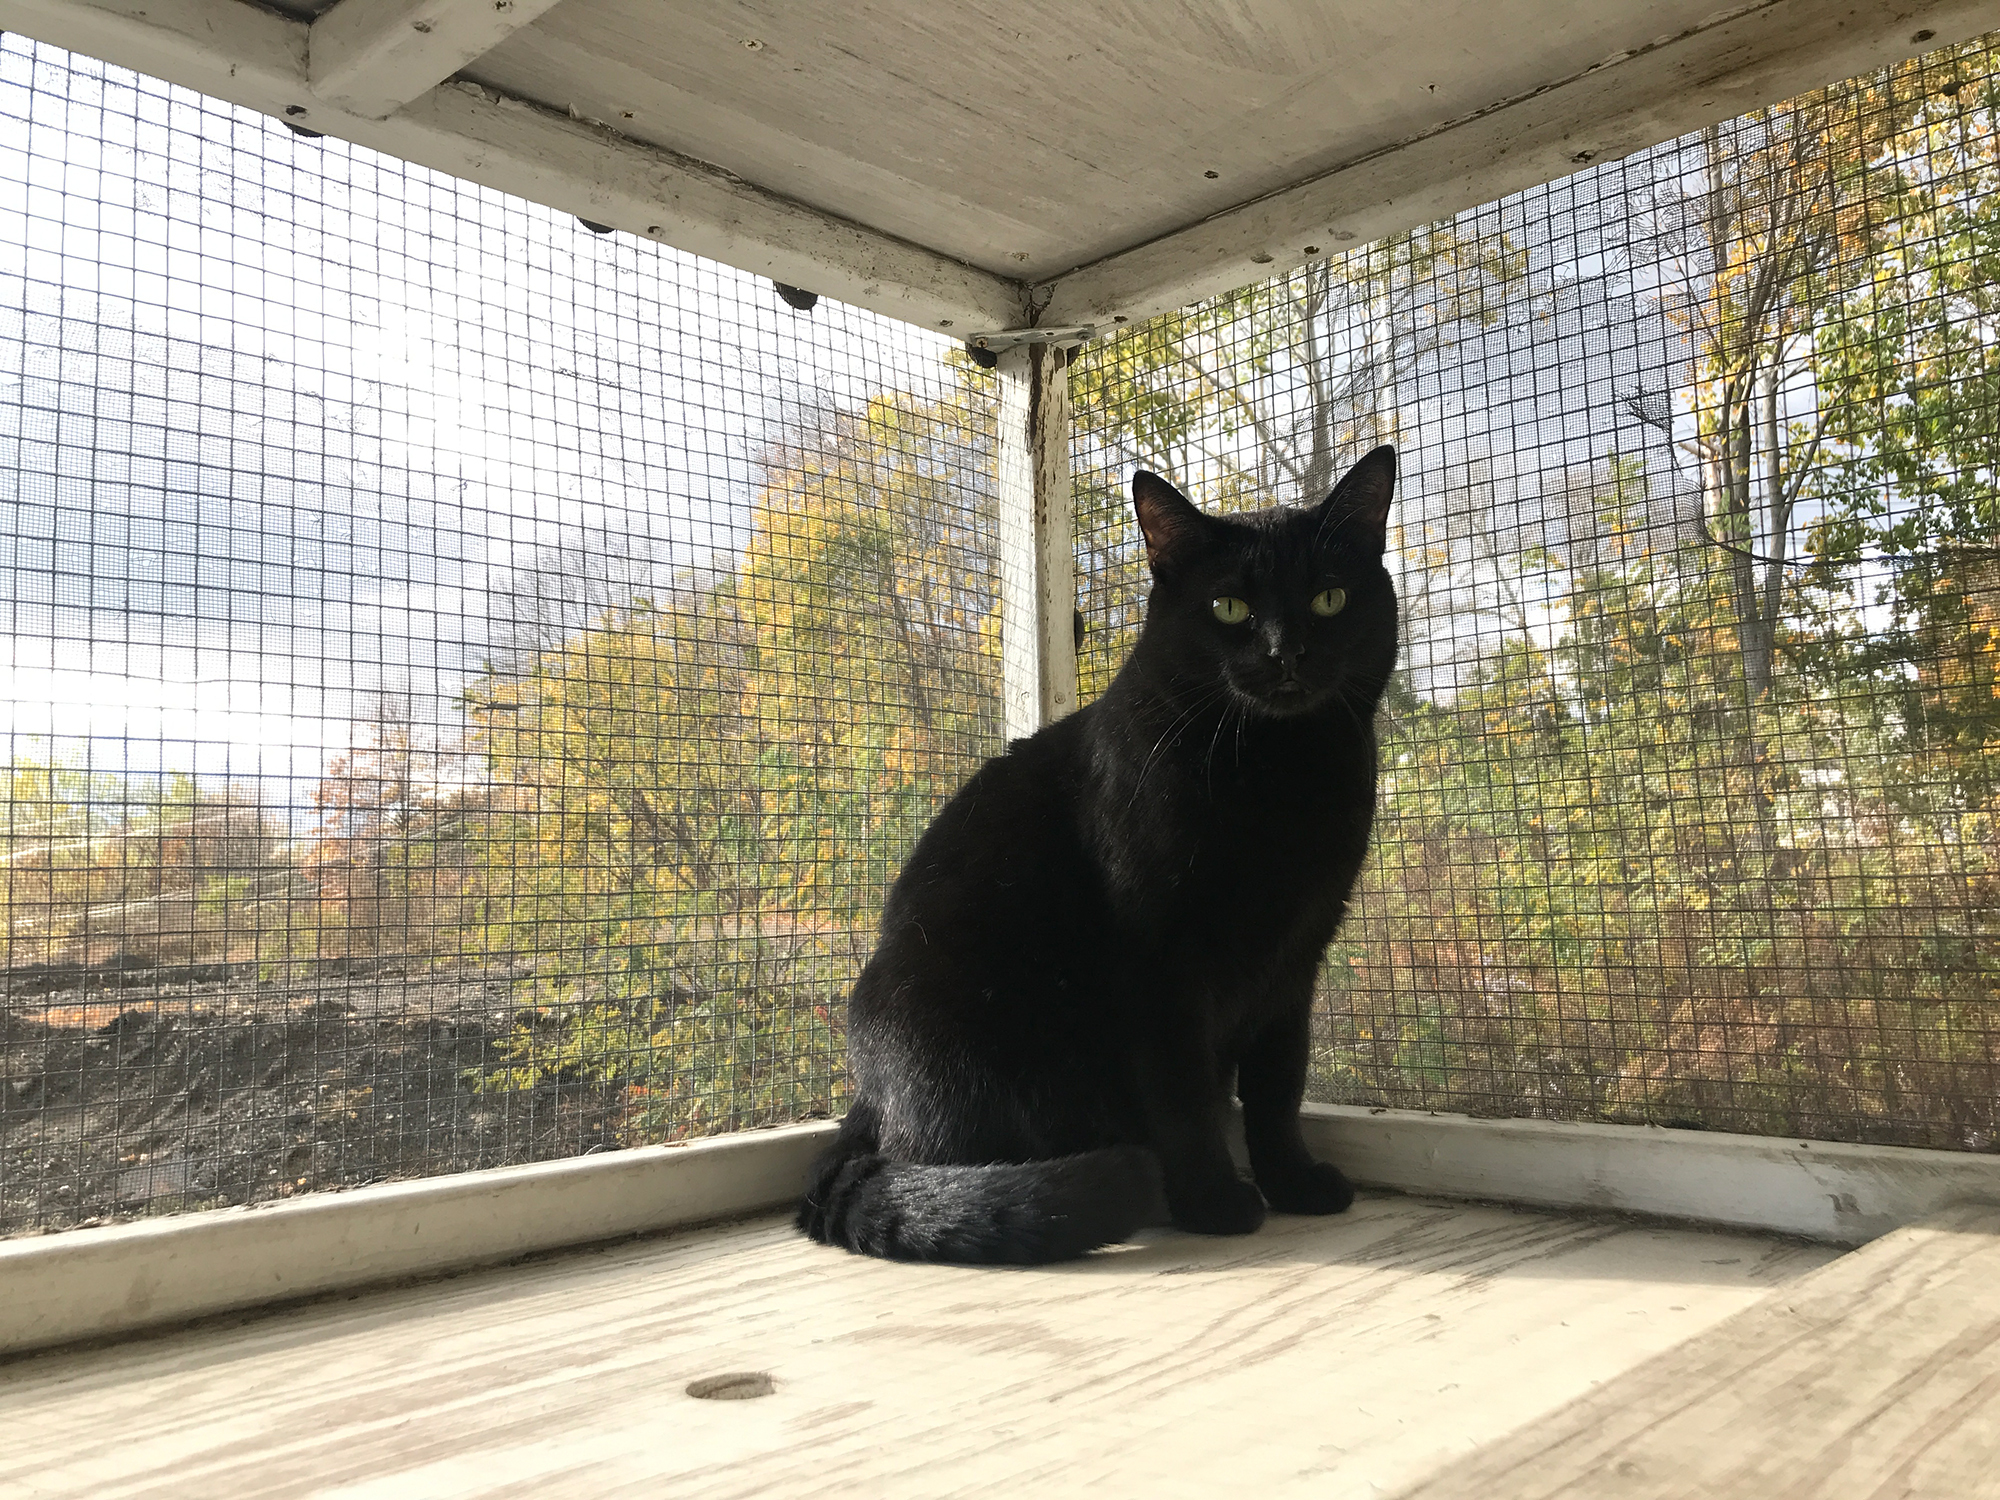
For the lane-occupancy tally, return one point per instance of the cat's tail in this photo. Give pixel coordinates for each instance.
(1022, 1213)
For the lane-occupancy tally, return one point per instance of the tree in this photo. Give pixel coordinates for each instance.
(623, 774)
(534, 605)
(1767, 221)
(875, 688)
(1271, 384)
(761, 737)
(1907, 361)
(1760, 235)
(1268, 389)
(702, 794)
(388, 868)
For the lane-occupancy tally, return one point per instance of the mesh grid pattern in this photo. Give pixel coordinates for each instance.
(468, 681)
(1688, 805)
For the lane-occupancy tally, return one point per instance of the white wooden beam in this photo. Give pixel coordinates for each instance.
(1037, 547)
(1823, 1190)
(372, 57)
(252, 57)
(1740, 59)
(90, 1283)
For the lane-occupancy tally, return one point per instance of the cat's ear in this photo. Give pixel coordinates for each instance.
(1358, 509)
(1171, 524)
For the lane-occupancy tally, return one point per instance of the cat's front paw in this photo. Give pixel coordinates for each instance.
(1317, 1188)
(1229, 1206)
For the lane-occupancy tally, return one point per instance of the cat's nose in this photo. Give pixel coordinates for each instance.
(1283, 651)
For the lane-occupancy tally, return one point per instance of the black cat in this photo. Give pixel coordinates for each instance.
(1126, 911)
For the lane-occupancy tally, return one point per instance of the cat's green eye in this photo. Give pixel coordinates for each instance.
(1329, 601)
(1230, 610)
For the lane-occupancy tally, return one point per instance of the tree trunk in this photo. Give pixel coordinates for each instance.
(1318, 480)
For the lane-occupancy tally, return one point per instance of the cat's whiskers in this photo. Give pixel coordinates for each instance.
(1208, 760)
(1204, 697)
(1343, 695)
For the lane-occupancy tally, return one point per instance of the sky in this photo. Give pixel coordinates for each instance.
(280, 416)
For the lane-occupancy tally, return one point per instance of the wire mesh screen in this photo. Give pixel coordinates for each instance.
(1688, 813)
(468, 680)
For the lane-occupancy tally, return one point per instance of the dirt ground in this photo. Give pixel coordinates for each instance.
(118, 1100)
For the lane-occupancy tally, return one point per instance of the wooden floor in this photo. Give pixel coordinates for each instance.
(1401, 1345)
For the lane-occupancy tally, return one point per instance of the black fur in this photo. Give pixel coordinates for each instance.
(1122, 915)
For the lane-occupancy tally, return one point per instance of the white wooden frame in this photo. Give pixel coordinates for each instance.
(378, 72)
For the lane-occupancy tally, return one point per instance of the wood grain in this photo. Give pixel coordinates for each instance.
(1343, 1358)
(1876, 1376)
(1028, 137)
(375, 56)
(1037, 544)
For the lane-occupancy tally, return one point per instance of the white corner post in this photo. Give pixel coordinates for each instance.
(1037, 545)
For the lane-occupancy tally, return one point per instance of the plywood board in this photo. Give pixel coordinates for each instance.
(1332, 1358)
(1034, 136)
(1878, 1375)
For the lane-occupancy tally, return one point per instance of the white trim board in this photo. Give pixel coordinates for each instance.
(91, 1283)
(94, 1283)
(1819, 1190)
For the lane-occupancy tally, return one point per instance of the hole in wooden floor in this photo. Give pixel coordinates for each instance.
(739, 1385)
